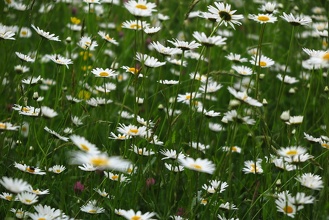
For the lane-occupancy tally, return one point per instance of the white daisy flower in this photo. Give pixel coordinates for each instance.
(311, 181)
(45, 34)
(200, 165)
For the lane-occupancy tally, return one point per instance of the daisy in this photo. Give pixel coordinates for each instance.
(45, 34)
(87, 43)
(301, 198)
(148, 60)
(20, 213)
(107, 87)
(228, 206)
(224, 14)
(252, 167)
(151, 30)
(263, 61)
(291, 151)
(6, 34)
(102, 193)
(283, 164)
(236, 58)
(29, 169)
(244, 97)
(209, 16)
(24, 57)
(199, 146)
(168, 82)
(176, 168)
(21, 69)
(14, 185)
(295, 120)
(140, 8)
(311, 138)
(269, 8)
(8, 126)
(38, 191)
(7, 196)
(45, 212)
(235, 149)
(142, 151)
(177, 62)
(200, 165)
(48, 112)
(184, 45)
(311, 181)
(66, 139)
(27, 198)
(84, 144)
(57, 169)
(287, 79)
(215, 127)
(167, 51)
(287, 207)
(210, 113)
(263, 18)
(132, 215)
(243, 70)
(60, 60)
(209, 41)
(296, 20)
(25, 32)
(100, 161)
(298, 158)
(211, 87)
(107, 37)
(92, 208)
(171, 154)
(132, 130)
(187, 97)
(119, 136)
(87, 167)
(31, 80)
(135, 25)
(92, 1)
(76, 120)
(116, 177)
(104, 73)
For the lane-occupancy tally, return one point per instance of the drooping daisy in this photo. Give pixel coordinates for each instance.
(224, 14)
(14, 185)
(20, 69)
(295, 120)
(200, 165)
(104, 73)
(29, 169)
(263, 18)
(84, 144)
(184, 45)
(76, 120)
(251, 166)
(92, 208)
(149, 61)
(6, 34)
(228, 206)
(27, 198)
(244, 97)
(31, 80)
(209, 41)
(216, 127)
(269, 8)
(263, 61)
(56, 134)
(140, 8)
(48, 112)
(24, 57)
(107, 37)
(236, 58)
(60, 60)
(167, 51)
(135, 25)
(100, 161)
(45, 34)
(177, 61)
(57, 169)
(287, 79)
(296, 20)
(87, 43)
(132, 215)
(311, 181)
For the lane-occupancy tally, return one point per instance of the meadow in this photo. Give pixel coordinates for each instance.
(164, 109)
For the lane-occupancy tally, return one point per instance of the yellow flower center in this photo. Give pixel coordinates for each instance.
(253, 168)
(28, 200)
(107, 37)
(97, 161)
(3, 126)
(92, 211)
(83, 94)
(58, 171)
(133, 130)
(263, 18)
(288, 209)
(140, 151)
(326, 56)
(23, 33)
(262, 63)
(9, 198)
(42, 218)
(84, 147)
(292, 152)
(197, 166)
(115, 177)
(140, 6)
(103, 74)
(25, 109)
(30, 169)
(325, 145)
(234, 149)
(136, 217)
(204, 202)
(135, 26)
(133, 70)
(188, 97)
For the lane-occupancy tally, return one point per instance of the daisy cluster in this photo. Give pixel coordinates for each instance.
(164, 109)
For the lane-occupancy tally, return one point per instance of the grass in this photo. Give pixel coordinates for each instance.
(151, 187)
